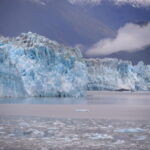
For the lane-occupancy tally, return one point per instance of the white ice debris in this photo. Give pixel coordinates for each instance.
(1, 128)
(82, 110)
(130, 130)
(119, 142)
(24, 124)
(34, 133)
(141, 138)
(97, 136)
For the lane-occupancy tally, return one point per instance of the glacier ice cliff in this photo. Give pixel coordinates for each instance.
(117, 75)
(32, 65)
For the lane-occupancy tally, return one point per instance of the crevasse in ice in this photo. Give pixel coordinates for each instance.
(32, 65)
(117, 75)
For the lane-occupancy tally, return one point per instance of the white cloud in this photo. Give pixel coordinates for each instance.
(39, 2)
(84, 2)
(134, 3)
(131, 37)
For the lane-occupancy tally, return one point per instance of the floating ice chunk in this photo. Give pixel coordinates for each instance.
(24, 124)
(11, 135)
(141, 138)
(103, 127)
(119, 142)
(1, 128)
(130, 130)
(53, 128)
(110, 126)
(44, 148)
(1, 132)
(67, 139)
(82, 110)
(34, 133)
(37, 133)
(97, 136)
(28, 132)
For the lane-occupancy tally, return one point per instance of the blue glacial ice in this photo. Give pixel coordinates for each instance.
(32, 65)
(117, 75)
(130, 130)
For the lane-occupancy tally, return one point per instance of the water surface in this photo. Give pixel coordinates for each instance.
(93, 97)
(96, 105)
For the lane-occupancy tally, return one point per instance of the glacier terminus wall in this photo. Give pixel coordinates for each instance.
(32, 65)
(117, 75)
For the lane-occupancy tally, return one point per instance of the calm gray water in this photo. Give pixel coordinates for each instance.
(110, 98)
(100, 120)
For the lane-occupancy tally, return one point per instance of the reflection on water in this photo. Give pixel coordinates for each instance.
(41, 100)
(123, 98)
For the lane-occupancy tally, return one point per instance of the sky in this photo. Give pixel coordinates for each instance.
(101, 28)
(134, 3)
(130, 38)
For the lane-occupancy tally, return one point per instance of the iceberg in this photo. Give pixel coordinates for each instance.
(32, 65)
(117, 75)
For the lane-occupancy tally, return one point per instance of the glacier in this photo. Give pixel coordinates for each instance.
(32, 65)
(111, 74)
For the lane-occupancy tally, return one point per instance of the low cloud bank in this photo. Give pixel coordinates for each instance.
(130, 38)
(95, 2)
(134, 3)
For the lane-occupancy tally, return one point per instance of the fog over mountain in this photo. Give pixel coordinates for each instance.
(75, 22)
